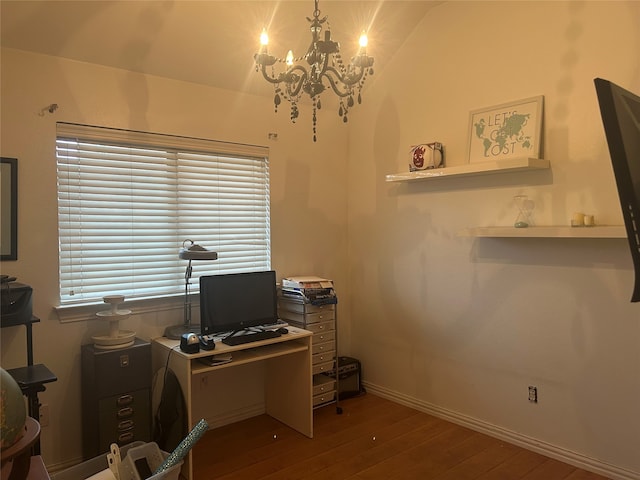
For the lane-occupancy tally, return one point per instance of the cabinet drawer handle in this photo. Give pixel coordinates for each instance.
(125, 412)
(125, 437)
(125, 425)
(124, 400)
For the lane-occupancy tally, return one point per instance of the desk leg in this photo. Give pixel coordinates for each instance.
(289, 390)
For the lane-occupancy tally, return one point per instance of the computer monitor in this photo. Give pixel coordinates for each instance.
(620, 111)
(236, 301)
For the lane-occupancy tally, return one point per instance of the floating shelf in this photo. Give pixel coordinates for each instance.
(480, 168)
(602, 231)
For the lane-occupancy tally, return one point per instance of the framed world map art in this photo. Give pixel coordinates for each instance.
(510, 130)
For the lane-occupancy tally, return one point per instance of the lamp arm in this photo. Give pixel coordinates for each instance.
(290, 77)
(334, 87)
(187, 295)
(263, 69)
(296, 79)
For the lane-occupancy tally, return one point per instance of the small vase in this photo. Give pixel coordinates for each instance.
(524, 206)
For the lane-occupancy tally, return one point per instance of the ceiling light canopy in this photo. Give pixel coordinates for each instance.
(324, 68)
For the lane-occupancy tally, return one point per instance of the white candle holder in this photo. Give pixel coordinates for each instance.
(577, 219)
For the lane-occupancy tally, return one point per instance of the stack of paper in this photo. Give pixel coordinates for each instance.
(309, 289)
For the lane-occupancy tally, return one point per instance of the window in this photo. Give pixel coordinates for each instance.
(127, 201)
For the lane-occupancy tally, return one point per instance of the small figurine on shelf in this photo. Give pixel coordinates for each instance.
(116, 338)
(426, 156)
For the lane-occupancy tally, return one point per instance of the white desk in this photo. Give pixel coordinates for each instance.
(288, 385)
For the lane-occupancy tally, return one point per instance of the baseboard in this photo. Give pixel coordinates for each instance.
(515, 438)
(54, 468)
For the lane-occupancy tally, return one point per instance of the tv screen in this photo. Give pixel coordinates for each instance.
(235, 301)
(620, 111)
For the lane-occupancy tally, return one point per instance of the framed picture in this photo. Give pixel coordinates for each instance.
(509, 130)
(9, 209)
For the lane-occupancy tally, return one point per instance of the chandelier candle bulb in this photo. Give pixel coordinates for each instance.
(363, 43)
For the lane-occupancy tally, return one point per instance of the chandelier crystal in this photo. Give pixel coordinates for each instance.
(324, 68)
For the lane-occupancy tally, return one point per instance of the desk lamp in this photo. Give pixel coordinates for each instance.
(190, 252)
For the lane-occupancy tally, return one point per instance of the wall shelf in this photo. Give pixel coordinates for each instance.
(600, 231)
(480, 168)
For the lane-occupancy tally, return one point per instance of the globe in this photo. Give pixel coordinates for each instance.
(13, 412)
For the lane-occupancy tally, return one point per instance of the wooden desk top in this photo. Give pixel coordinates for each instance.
(295, 333)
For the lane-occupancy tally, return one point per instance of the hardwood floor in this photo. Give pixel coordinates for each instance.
(372, 439)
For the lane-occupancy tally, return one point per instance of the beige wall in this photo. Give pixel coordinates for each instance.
(308, 197)
(462, 326)
(454, 325)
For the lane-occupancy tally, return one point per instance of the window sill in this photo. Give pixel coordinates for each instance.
(85, 312)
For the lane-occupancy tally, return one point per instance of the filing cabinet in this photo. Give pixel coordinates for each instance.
(116, 396)
(321, 320)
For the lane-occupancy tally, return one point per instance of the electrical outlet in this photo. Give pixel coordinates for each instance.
(44, 415)
(533, 394)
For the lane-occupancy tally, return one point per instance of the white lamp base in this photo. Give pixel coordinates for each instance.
(175, 332)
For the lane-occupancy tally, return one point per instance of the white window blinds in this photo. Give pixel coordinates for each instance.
(127, 200)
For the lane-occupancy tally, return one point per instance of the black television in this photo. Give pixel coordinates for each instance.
(620, 111)
(236, 301)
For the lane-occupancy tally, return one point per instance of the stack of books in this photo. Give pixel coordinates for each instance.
(313, 290)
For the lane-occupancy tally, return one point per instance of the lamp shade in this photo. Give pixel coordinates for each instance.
(196, 252)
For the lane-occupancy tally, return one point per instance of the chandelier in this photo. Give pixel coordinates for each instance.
(325, 68)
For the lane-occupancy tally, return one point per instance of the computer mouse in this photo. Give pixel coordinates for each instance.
(282, 330)
(206, 343)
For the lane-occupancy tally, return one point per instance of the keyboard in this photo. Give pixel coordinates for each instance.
(250, 337)
(274, 326)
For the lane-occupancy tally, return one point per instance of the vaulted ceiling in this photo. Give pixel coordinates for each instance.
(205, 42)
